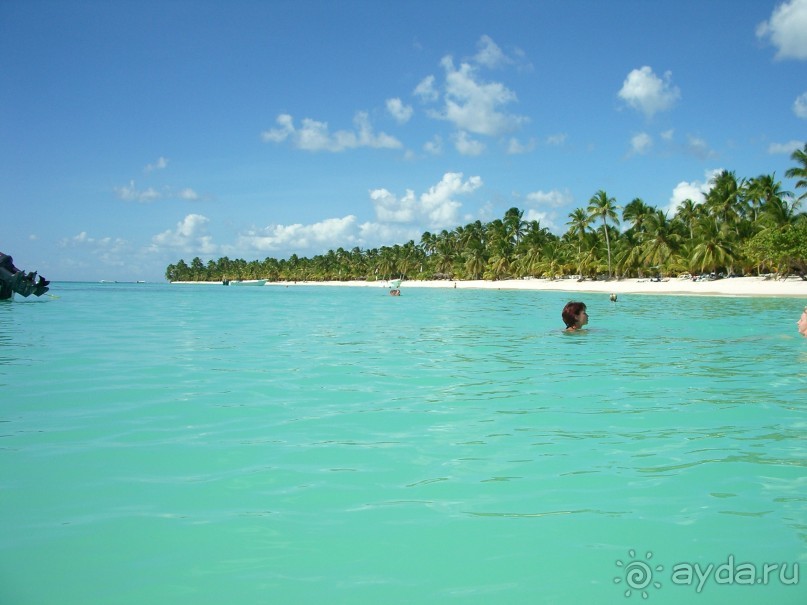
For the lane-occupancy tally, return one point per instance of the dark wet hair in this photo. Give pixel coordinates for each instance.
(571, 311)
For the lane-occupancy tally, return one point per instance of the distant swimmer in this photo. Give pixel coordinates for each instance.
(801, 324)
(613, 297)
(395, 292)
(574, 316)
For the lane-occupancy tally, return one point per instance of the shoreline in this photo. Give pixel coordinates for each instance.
(735, 286)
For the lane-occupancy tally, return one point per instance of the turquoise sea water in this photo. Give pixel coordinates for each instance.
(205, 445)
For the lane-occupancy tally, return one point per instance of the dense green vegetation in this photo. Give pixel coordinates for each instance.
(744, 226)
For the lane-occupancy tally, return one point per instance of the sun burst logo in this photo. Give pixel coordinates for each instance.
(638, 574)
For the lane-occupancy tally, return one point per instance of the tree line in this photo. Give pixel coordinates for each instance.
(744, 226)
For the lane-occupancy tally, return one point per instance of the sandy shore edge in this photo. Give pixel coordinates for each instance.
(737, 286)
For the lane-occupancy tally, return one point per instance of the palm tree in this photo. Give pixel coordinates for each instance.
(577, 230)
(714, 248)
(514, 225)
(764, 192)
(628, 255)
(603, 207)
(552, 260)
(636, 213)
(688, 213)
(724, 201)
(661, 241)
(799, 172)
(475, 260)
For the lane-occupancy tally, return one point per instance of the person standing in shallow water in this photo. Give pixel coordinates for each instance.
(802, 323)
(574, 316)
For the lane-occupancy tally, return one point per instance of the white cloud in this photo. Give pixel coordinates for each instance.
(383, 234)
(160, 164)
(544, 207)
(546, 219)
(435, 209)
(552, 199)
(800, 106)
(699, 148)
(667, 135)
(131, 193)
(645, 91)
(402, 113)
(109, 251)
(426, 90)
(515, 147)
(190, 237)
(489, 54)
(391, 209)
(787, 30)
(785, 148)
(641, 143)
(329, 233)
(435, 146)
(472, 105)
(466, 145)
(693, 190)
(438, 204)
(315, 136)
(188, 194)
(556, 139)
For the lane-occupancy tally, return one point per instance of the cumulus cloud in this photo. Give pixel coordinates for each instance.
(468, 102)
(800, 106)
(190, 237)
(545, 207)
(329, 233)
(641, 143)
(315, 136)
(392, 209)
(438, 202)
(188, 194)
(400, 112)
(699, 148)
(426, 90)
(787, 30)
(785, 148)
(646, 92)
(489, 54)
(465, 145)
(552, 199)
(435, 146)
(109, 251)
(436, 208)
(515, 147)
(691, 190)
(476, 106)
(383, 234)
(130, 193)
(160, 164)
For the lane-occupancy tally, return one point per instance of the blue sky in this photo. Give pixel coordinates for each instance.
(135, 134)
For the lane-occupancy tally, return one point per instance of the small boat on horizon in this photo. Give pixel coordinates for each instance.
(246, 282)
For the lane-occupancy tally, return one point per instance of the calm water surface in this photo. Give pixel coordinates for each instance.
(204, 445)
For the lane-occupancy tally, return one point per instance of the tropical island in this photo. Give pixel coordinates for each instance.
(744, 226)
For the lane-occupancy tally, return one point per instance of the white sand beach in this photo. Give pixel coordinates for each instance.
(737, 286)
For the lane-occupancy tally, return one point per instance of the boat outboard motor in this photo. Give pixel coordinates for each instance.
(13, 280)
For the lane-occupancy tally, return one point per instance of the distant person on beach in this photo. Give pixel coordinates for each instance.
(802, 323)
(574, 316)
